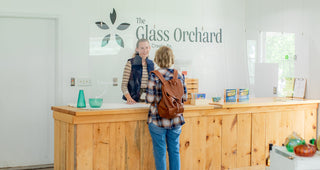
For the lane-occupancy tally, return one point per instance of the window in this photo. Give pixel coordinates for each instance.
(275, 47)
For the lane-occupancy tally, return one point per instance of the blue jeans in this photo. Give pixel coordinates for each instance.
(161, 138)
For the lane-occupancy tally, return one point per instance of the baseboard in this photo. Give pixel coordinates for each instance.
(29, 167)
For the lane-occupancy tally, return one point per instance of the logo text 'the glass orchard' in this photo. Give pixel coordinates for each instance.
(179, 35)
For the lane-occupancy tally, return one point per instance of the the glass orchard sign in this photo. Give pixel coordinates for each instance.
(143, 30)
(178, 35)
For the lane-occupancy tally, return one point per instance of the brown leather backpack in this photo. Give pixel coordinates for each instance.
(170, 105)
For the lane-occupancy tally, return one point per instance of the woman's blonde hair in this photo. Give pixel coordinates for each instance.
(164, 57)
(137, 45)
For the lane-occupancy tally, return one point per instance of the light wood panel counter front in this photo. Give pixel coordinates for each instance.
(222, 136)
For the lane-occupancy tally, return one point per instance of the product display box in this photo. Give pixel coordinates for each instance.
(243, 95)
(200, 96)
(230, 95)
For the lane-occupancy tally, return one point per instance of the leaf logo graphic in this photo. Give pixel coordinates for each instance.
(104, 26)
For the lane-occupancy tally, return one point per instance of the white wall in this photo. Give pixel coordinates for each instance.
(217, 66)
(311, 15)
(294, 16)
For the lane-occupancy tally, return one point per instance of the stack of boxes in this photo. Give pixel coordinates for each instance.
(192, 88)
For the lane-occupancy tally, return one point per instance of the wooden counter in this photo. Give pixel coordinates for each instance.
(214, 137)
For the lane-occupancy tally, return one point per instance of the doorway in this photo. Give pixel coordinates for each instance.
(27, 70)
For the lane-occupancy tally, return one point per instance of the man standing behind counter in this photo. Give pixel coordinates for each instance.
(136, 72)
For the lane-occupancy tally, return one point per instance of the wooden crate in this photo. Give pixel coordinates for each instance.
(192, 87)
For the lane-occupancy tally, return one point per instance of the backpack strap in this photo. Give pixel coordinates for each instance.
(175, 74)
(159, 75)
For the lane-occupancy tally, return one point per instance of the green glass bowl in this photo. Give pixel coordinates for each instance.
(95, 102)
(293, 143)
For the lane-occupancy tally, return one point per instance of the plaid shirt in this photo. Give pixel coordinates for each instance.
(154, 95)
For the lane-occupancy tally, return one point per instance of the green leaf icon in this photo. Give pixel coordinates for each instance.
(119, 40)
(113, 16)
(123, 26)
(102, 25)
(105, 40)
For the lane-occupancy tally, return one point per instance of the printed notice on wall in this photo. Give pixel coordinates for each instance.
(299, 87)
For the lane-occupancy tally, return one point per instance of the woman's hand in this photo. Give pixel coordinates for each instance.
(129, 99)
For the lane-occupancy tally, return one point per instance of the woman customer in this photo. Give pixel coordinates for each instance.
(164, 132)
(135, 74)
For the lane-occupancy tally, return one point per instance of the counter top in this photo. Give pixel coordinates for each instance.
(119, 108)
(270, 101)
(122, 108)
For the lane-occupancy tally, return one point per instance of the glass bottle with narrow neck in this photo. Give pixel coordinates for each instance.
(268, 158)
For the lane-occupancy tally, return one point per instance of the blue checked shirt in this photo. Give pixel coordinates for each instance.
(154, 95)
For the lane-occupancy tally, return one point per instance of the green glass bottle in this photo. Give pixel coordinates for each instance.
(312, 141)
(81, 100)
